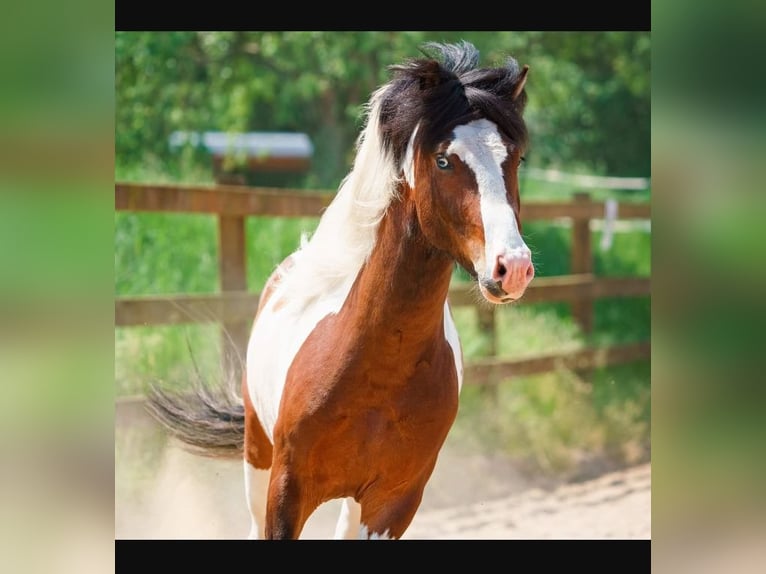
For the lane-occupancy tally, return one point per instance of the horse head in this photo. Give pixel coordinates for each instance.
(458, 135)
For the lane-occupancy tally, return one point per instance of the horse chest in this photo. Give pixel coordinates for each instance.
(341, 359)
(378, 391)
(352, 427)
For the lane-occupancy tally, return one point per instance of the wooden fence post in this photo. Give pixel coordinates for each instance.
(582, 260)
(233, 277)
(486, 318)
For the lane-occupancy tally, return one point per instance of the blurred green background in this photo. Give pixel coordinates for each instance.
(589, 92)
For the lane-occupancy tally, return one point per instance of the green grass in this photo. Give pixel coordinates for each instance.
(553, 422)
(538, 190)
(272, 239)
(173, 356)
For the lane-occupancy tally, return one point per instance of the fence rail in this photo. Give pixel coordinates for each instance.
(238, 200)
(234, 307)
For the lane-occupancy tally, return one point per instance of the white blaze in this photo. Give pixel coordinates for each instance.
(479, 145)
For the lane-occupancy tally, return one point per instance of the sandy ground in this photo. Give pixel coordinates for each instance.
(164, 492)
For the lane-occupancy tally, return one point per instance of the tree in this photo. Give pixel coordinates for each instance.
(589, 97)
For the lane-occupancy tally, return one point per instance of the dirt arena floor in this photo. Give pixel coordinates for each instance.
(164, 492)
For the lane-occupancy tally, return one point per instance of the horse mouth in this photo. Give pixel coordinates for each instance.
(494, 293)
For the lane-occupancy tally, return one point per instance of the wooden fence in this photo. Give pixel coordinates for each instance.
(234, 307)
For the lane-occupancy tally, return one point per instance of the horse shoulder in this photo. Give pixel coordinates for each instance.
(278, 334)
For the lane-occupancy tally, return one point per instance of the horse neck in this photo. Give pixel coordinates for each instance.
(405, 280)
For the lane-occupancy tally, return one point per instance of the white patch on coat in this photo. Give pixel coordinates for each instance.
(408, 165)
(453, 338)
(256, 488)
(349, 520)
(364, 534)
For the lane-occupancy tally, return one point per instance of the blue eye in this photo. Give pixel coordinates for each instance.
(442, 162)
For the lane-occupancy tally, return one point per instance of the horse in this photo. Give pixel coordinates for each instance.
(354, 365)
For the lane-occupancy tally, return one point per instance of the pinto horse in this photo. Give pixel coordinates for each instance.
(354, 365)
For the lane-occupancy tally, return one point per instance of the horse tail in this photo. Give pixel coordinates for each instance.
(206, 422)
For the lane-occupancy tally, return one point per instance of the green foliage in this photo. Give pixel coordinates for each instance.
(550, 247)
(158, 253)
(555, 422)
(590, 101)
(275, 238)
(589, 92)
(174, 356)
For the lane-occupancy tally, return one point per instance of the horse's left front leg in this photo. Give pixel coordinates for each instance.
(287, 508)
(390, 519)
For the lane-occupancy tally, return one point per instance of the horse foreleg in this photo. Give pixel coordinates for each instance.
(256, 489)
(389, 518)
(287, 507)
(349, 519)
(258, 452)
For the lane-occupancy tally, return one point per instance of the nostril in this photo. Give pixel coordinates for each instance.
(530, 271)
(501, 270)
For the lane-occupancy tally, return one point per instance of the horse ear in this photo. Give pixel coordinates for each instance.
(431, 74)
(521, 83)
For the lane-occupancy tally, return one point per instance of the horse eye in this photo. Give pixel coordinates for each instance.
(442, 162)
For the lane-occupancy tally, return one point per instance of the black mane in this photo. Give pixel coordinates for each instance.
(445, 89)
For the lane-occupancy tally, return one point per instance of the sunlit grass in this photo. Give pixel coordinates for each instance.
(173, 356)
(520, 331)
(272, 239)
(555, 422)
(532, 189)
